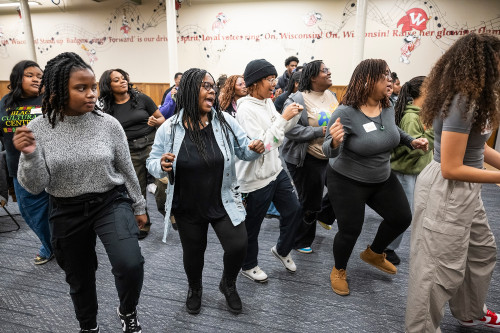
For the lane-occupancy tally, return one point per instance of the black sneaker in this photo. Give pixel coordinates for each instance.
(193, 300)
(392, 257)
(92, 330)
(130, 323)
(233, 300)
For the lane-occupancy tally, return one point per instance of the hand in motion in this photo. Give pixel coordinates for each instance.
(152, 121)
(166, 161)
(173, 91)
(141, 220)
(292, 110)
(421, 143)
(24, 140)
(257, 146)
(337, 133)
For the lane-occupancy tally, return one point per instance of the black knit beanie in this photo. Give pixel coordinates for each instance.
(258, 69)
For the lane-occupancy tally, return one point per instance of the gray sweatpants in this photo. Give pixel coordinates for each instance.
(453, 252)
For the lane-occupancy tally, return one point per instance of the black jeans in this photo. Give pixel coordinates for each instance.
(193, 233)
(348, 199)
(282, 194)
(74, 223)
(310, 182)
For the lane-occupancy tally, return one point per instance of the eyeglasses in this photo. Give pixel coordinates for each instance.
(272, 81)
(325, 70)
(208, 86)
(386, 76)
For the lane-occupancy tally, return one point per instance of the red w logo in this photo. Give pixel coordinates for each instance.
(415, 18)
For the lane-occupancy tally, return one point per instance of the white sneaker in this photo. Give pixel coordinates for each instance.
(151, 188)
(255, 274)
(286, 261)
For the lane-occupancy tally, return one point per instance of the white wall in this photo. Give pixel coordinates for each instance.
(254, 30)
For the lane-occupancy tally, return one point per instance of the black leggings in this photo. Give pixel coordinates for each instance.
(348, 199)
(193, 234)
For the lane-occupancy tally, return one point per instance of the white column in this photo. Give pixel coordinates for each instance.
(28, 31)
(359, 32)
(173, 62)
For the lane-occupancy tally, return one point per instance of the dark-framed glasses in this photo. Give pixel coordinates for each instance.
(207, 86)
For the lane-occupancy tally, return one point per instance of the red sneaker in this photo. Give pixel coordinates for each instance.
(490, 320)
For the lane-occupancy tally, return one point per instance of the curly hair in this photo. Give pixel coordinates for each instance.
(55, 82)
(470, 68)
(363, 81)
(16, 83)
(106, 94)
(228, 91)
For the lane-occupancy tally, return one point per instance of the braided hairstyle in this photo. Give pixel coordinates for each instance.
(187, 100)
(16, 83)
(309, 71)
(469, 68)
(409, 91)
(55, 82)
(228, 91)
(291, 83)
(363, 81)
(106, 94)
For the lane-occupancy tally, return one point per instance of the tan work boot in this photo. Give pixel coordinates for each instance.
(378, 261)
(338, 279)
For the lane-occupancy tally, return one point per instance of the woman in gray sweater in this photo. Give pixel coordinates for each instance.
(361, 135)
(80, 156)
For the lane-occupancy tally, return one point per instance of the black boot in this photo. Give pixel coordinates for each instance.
(193, 301)
(228, 288)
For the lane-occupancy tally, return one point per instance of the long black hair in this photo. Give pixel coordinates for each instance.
(188, 100)
(106, 94)
(409, 91)
(55, 81)
(291, 83)
(16, 83)
(309, 71)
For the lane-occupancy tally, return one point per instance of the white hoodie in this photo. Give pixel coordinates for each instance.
(261, 121)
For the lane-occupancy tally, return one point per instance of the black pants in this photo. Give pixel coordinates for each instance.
(348, 199)
(282, 194)
(74, 223)
(193, 234)
(310, 182)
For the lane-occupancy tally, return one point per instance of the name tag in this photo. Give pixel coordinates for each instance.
(369, 127)
(36, 111)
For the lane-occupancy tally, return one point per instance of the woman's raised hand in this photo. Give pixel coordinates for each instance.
(337, 133)
(24, 140)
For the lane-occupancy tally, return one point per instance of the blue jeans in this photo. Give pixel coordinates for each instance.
(283, 195)
(408, 183)
(35, 211)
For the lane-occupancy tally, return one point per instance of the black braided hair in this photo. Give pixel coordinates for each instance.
(16, 83)
(291, 83)
(409, 91)
(106, 94)
(187, 100)
(309, 71)
(55, 82)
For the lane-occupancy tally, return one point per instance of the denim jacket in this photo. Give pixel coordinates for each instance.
(169, 138)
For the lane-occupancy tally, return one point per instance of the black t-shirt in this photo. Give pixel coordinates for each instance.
(27, 110)
(135, 120)
(198, 184)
